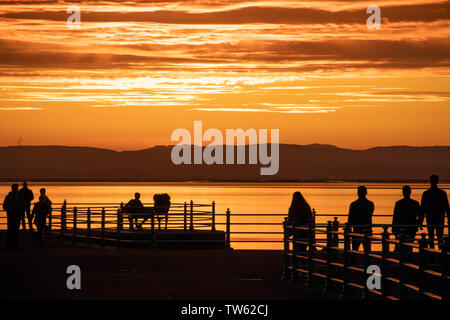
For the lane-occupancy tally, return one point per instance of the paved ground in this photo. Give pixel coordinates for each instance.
(110, 273)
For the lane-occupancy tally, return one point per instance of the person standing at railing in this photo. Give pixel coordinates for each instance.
(406, 212)
(28, 196)
(435, 205)
(14, 206)
(360, 216)
(41, 210)
(300, 214)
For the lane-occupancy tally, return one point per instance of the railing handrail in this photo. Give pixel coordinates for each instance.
(386, 258)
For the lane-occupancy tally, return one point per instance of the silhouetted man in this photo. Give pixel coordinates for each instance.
(435, 205)
(27, 196)
(14, 206)
(360, 216)
(406, 212)
(134, 204)
(41, 210)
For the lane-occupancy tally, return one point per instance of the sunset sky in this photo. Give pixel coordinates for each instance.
(136, 70)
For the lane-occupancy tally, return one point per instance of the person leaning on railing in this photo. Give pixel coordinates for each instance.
(299, 214)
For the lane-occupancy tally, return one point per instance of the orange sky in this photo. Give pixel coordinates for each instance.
(132, 74)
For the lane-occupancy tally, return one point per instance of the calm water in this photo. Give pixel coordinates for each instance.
(260, 198)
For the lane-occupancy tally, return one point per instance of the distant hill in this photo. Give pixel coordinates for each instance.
(297, 163)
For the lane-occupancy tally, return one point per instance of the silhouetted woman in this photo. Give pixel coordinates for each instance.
(300, 214)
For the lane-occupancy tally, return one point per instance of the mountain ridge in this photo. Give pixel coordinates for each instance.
(313, 162)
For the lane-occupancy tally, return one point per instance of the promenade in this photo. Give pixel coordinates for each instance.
(156, 274)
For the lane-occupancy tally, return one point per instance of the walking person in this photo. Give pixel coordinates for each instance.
(300, 214)
(41, 210)
(406, 212)
(13, 204)
(27, 196)
(435, 206)
(360, 217)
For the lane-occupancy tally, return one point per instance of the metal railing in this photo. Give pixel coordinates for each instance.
(414, 269)
(107, 222)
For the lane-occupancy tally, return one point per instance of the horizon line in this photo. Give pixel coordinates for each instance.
(224, 145)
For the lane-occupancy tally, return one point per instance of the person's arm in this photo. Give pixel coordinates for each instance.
(350, 214)
(395, 218)
(31, 196)
(447, 209)
(420, 215)
(5, 203)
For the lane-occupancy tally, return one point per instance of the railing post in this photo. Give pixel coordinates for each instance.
(185, 216)
(191, 222)
(227, 237)
(50, 224)
(346, 260)
(401, 266)
(119, 226)
(63, 215)
(285, 250)
(213, 216)
(384, 262)
(88, 225)
(74, 228)
(327, 286)
(120, 218)
(63, 218)
(103, 227)
(444, 271)
(153, 231)
(294, 276)
(336, 229)
(422, 265)
(311, 249)
(367, 251)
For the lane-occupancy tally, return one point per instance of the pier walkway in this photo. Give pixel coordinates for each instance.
(128, 273)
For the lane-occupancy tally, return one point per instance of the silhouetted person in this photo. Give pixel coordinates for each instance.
(435, 205)
(300, 214)
(406, 212)
(41, 210)
(360, 216)
(27, 196)
(14, 206)
(131, 206)
(161, 206)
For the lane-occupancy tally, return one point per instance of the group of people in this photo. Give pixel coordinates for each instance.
(17, 205)
(134, 208)
(408, 215)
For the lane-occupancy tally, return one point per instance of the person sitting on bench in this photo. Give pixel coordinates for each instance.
(133, 206)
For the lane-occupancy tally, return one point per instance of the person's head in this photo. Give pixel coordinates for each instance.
(25, 184)
(137, 195)
(14, 187)
(434, 179)
(42, 191)
(362, 191)
(406, 192)
(297, 198)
